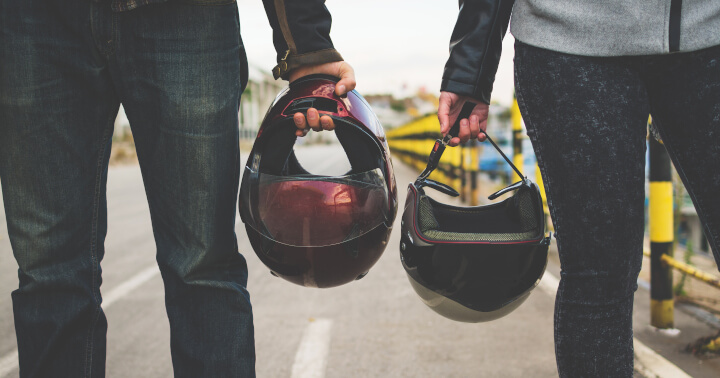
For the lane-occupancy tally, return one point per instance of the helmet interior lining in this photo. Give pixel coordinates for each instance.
(513, 219)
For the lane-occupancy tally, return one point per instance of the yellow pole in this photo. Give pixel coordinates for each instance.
(473, 168)
(464, 187)
(661, 237)
(516, 119)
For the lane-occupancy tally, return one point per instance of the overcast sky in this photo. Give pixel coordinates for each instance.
(392, 44)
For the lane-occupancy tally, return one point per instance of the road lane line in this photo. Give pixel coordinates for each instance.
(311, 357)
(9, 362)
(124, 288)
(549, 284)
(653, 364)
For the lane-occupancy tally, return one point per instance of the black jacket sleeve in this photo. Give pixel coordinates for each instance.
(475, 47)
(301, 34)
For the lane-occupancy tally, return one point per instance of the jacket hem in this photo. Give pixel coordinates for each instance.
(283, 69)
(464, 89)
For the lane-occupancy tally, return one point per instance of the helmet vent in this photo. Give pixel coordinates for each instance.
(319, 103)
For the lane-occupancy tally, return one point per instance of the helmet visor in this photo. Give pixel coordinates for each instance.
(315, 211)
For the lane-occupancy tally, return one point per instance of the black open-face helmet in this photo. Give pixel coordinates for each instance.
(316, 230)
(473, 264)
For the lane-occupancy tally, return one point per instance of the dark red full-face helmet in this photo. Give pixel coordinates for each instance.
(314, 230)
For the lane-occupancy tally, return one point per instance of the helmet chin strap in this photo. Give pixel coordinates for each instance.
(440, 144)
(439, 148)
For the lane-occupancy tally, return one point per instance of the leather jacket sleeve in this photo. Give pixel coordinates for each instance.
(475, 48)
(301, 34)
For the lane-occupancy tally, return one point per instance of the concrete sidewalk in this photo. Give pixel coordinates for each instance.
(654, 346)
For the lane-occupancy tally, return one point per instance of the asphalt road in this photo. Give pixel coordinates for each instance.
(375, 327)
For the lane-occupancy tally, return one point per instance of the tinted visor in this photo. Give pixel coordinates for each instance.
(315, 211)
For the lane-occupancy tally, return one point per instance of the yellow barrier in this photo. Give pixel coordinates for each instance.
(413, 142)
(689, 270)
(428, 125)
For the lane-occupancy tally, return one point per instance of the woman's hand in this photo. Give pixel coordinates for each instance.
(448, 111)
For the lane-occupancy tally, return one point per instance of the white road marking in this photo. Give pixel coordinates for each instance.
(549, 284)
(9, 362)
(652, 364)
(311, 357)
(655, 364)
(124, 288)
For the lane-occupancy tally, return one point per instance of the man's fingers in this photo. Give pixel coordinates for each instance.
(327, 123)
(313, 119)
(299, 120)
(300, 123)
(347, 79)
(454, 142)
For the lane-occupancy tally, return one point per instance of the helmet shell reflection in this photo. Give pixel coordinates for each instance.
(319, 231)
(315, 212)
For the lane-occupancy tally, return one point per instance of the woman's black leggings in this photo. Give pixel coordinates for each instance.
(586, 118)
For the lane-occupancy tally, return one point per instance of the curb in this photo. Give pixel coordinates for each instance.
(647, 362)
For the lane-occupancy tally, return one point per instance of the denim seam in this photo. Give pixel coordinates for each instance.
(557, 314)
(114, 33)
(546, 183)
(95, 289)
(194, 136)
(207, 2)
(538, 156)
(696, 201)
(106, 48)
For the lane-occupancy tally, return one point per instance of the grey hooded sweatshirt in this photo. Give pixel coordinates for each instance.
(617, 27)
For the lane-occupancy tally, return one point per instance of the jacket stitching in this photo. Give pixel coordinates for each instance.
(284, 25)
(487, 47)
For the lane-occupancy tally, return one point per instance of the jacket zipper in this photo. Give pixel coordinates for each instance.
(674, 25)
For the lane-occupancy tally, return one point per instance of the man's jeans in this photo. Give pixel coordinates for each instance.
(587, 118)
(65, 66)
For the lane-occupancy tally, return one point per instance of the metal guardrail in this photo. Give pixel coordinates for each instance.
(412, 143)
(689, 270)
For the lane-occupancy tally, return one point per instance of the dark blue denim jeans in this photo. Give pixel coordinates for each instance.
(179, 70)
(587, 119)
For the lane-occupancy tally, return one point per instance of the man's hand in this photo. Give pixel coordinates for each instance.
(347, 83)
(448, 111)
